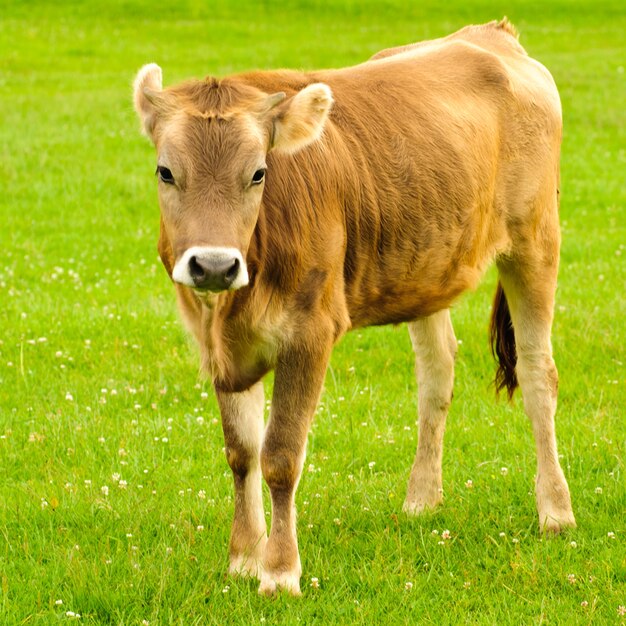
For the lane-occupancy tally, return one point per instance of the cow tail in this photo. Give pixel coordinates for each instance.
(503, 344)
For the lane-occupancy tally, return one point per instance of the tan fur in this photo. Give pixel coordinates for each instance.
(390, 187)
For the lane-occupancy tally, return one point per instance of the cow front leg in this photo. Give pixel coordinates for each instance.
(298, 382)
(242, 422)
(435, 348)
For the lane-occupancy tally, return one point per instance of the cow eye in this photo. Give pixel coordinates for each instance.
(258, 176)
(165, 174)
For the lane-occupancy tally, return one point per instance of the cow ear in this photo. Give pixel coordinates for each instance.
(300, 121)
(147, 88)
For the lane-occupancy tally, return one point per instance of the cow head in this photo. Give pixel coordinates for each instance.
(212, 139)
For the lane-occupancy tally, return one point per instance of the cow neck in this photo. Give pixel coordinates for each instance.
(216, 358)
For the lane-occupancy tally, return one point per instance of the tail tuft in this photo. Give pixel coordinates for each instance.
(503, 344)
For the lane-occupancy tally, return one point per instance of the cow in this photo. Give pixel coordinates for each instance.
(296, 206)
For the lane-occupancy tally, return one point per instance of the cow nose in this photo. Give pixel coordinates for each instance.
(213, 273)
(211, 268)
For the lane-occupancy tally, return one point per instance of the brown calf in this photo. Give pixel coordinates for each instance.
(296, 206)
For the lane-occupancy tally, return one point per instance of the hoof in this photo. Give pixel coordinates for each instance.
(273, 583)
(554, 523)
(419, 507)
(245, 567)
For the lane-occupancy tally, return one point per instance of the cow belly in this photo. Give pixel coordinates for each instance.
(412, 299)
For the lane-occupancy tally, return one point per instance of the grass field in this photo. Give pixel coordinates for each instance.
(115, 496)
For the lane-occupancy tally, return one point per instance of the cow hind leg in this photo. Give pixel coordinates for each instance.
(242, 422)
(529, 285)
(435, 347)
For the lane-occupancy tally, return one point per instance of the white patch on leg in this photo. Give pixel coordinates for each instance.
(554, 504)
(249, 565)
(250, 408)
(423, 502)
(272, 582)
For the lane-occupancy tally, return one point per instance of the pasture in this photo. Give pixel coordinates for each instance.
(115, 496)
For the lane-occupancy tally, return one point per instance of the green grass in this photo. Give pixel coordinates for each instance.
(86, 309)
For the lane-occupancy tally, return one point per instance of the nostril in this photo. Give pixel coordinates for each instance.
(232, 271)
(212, 270)
(195, 269)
